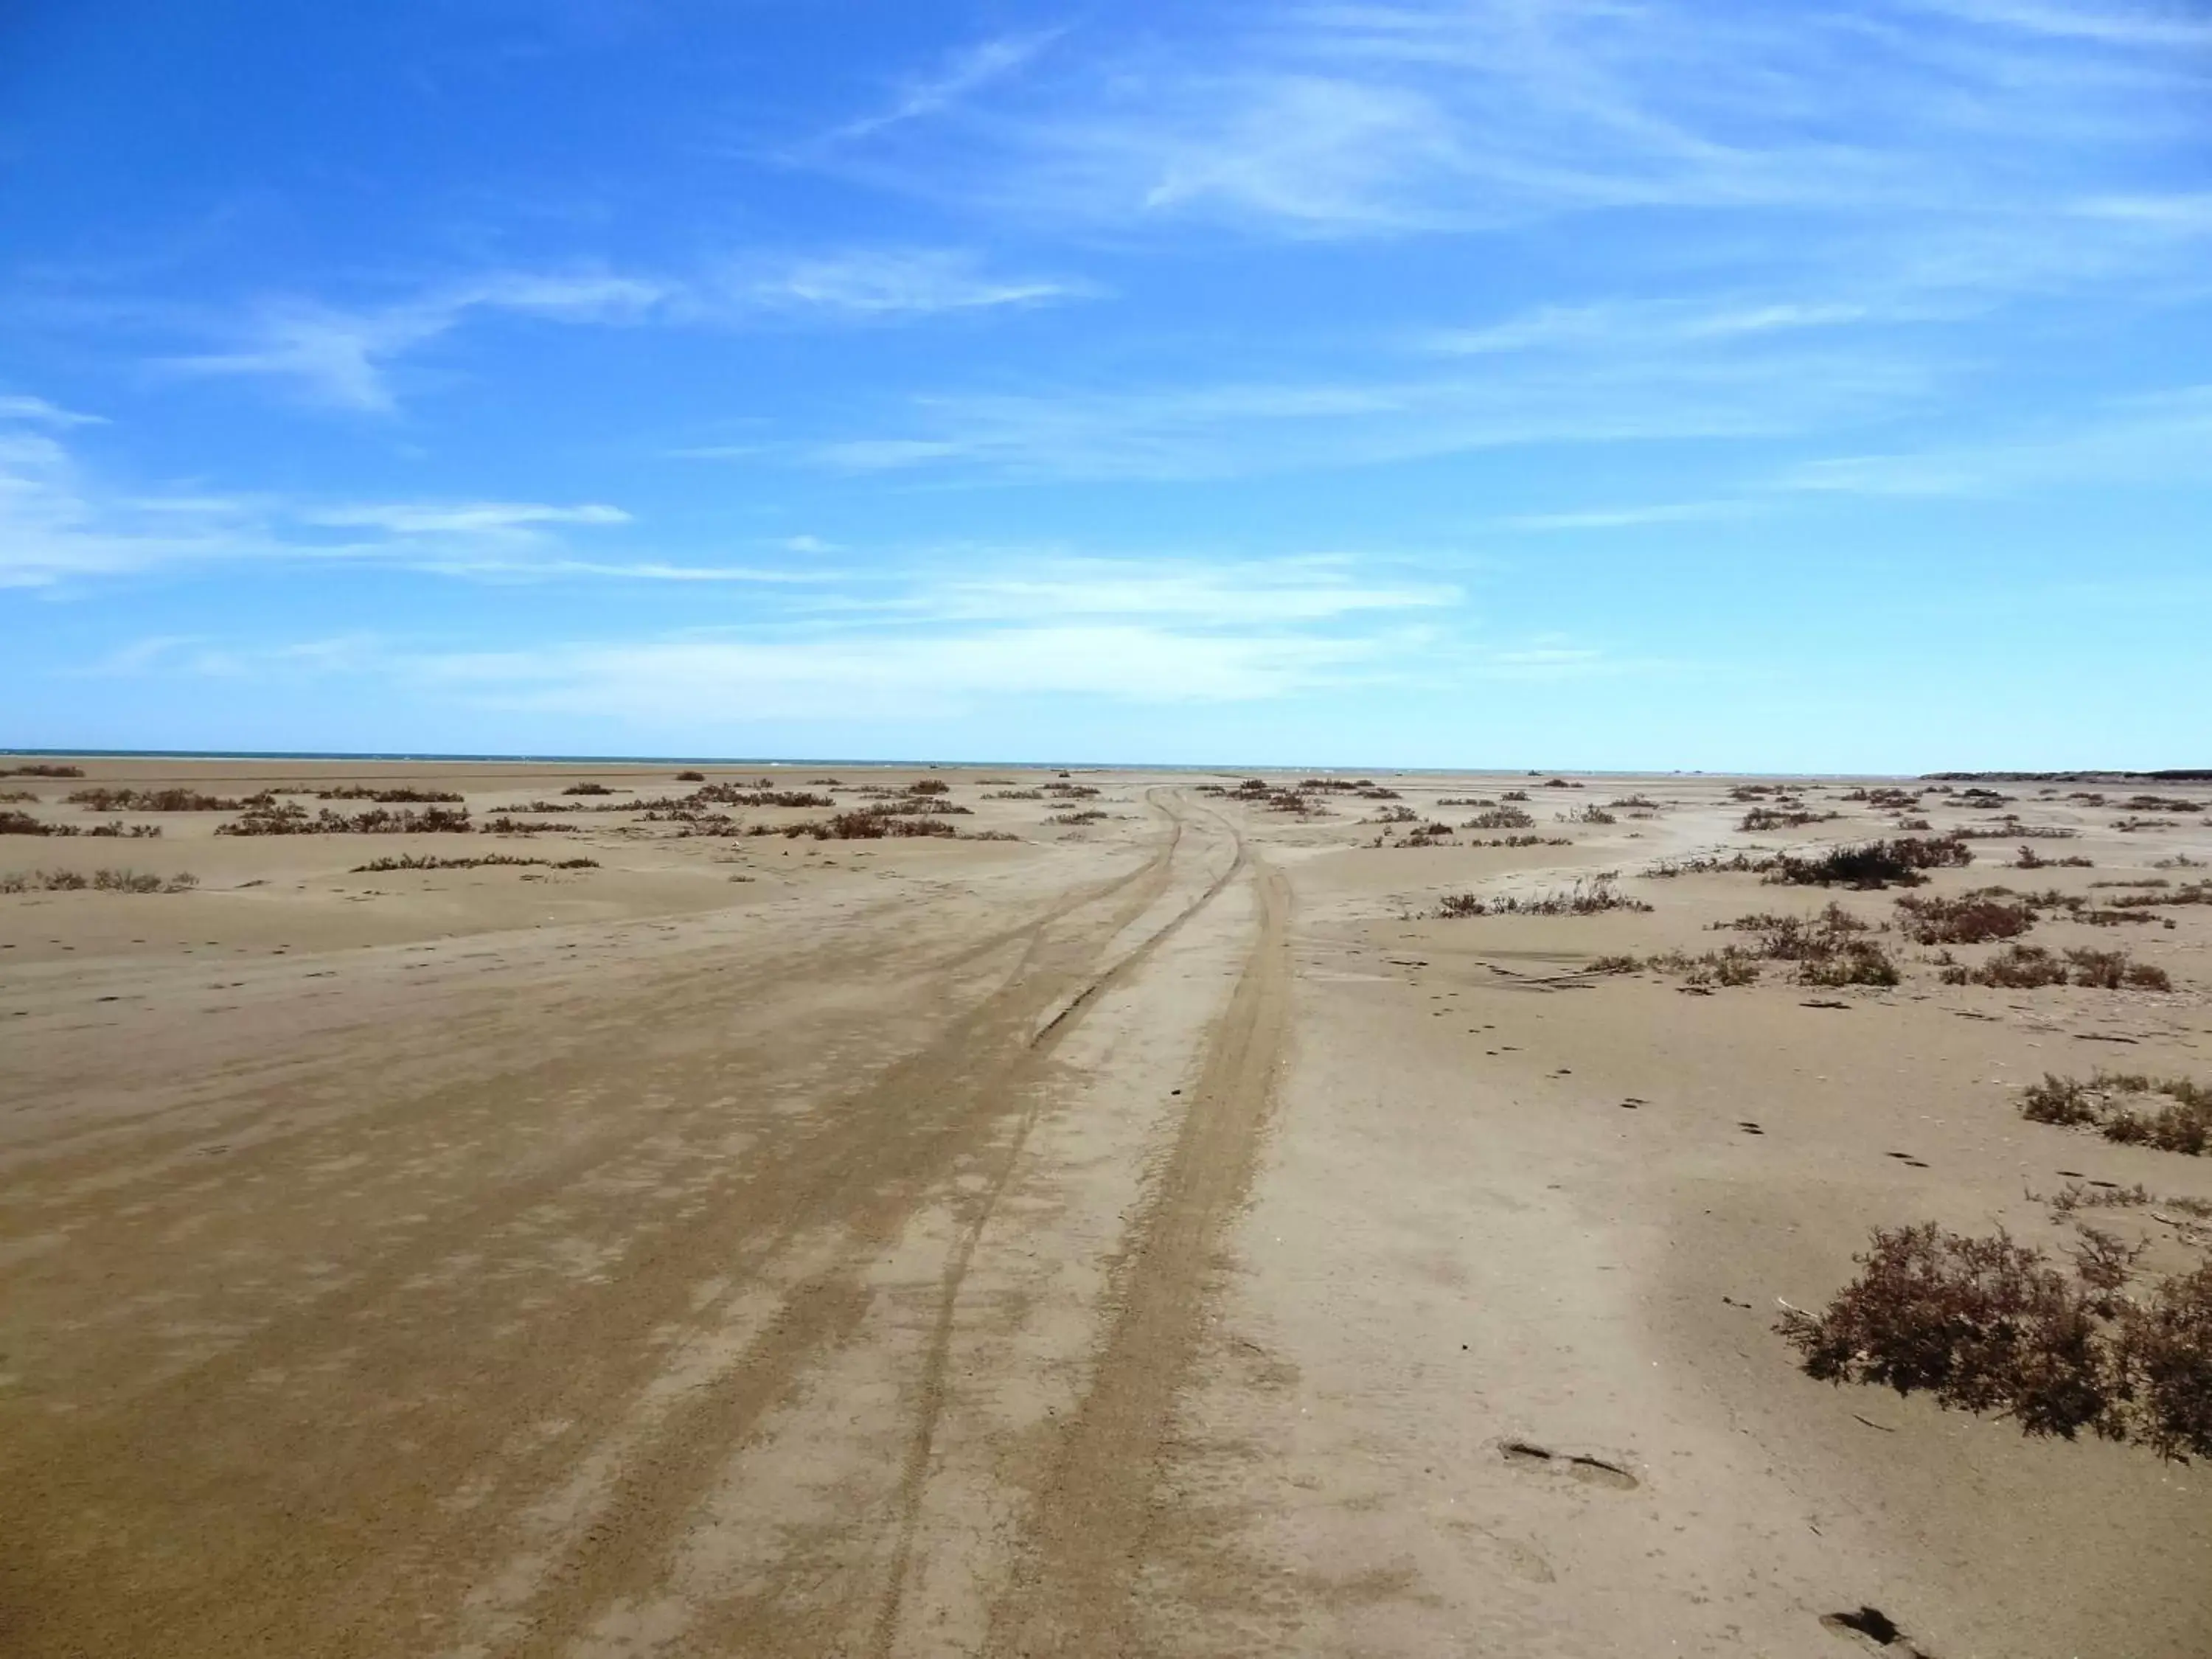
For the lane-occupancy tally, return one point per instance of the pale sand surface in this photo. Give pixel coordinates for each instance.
(1146, 1237)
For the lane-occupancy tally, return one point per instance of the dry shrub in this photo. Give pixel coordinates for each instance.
(1900, 863)
(1585, 898)
(2172, 1115)
(1992, 1325)
(104, 881)
(691, 777)
(869, 823)
(158, 800)
(1831, 948)
(588, 789)
(1501, 817)
(2028, 967)
(431, 861)
(270, 817)
(1977, 917)
(929, 786)
(1770, 818)
(389, 797)
(39, 769)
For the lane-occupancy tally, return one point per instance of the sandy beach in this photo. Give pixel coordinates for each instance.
(1138, 1221)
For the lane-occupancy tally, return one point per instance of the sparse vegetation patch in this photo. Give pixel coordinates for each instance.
(1992, 1325)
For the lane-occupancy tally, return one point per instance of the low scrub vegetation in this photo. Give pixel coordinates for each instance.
(158, 800)
(41, 769)
(389, 797)
(1774, 818)
(2029, 967)
(98, 881)
(2170, 1114)
(1902, 862)
(1502, 818)
(290, 818)
(2029, 859)
(1977, 918)
(431, 861)
(1989, 1324)
(1583, 898)
(589, 789)
(23, 824)
(1830, 948)
(870, 823)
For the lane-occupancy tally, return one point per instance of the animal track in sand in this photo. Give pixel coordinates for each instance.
(1579, 1466)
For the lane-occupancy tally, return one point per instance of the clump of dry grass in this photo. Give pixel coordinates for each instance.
(1016, 794)
(1589, 814)
(590, 789)
(2172, 1113)
(1992, 1325)
(101, 881)
(1585, 898)
(1082, 815)
(503, 824)
(2029, 967)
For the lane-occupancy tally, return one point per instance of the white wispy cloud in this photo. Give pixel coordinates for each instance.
(460, 519)
(1641, 325)
(344, 357)
(37, 411)
(1631, 518)
(898, 282)
(963, 75)
(1443, 115)
(1231, 429)
(2164, 439)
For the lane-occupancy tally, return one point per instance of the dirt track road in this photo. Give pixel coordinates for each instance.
(361, 1365)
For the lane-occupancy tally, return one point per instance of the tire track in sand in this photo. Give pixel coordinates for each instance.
(1073, 1592)
(937, 1362)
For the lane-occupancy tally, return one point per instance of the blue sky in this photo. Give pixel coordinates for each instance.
(1604, 383)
